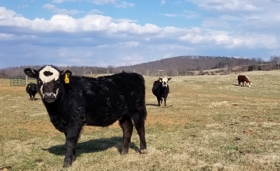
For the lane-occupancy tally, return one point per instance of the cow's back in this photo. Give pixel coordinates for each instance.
(241, 77)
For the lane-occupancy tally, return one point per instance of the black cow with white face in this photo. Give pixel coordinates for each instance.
(73, 101)
(31, 89)
(161, 89)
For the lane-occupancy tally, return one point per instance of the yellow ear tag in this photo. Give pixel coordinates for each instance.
(160, 81)
(66, 79)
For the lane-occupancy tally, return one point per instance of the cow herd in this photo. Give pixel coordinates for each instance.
(74, 101)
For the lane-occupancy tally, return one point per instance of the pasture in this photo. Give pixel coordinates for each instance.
(209, 123)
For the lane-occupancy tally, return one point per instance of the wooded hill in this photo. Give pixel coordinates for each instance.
(181, 65)
(190, 65)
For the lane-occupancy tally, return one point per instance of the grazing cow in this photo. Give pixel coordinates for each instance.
(244, 80)
(73, 101)
(161, 89)
(31, 89)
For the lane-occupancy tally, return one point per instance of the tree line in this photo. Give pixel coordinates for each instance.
(181, 65)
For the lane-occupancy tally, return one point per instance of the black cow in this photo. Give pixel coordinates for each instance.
(31, 89)
(161, 89)
(73, 101)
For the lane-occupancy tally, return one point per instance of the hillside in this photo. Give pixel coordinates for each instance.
(186, 65)
(182, 65)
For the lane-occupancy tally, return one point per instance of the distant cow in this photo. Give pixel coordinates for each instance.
(73, 101)
(161, 89)
(31, 89)
(244, 80)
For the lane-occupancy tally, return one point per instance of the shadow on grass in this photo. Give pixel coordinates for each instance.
(156, 105)
(92, 146)
(236, 84)
(34, 99)
(149, 104)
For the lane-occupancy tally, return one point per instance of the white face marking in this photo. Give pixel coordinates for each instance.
(164, 81)
(54, 74)
(248, 83)
(49, 87)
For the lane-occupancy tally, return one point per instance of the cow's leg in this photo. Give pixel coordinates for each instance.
(139, 123)
(72, 137)
(30, 96)
(159, 100)
(165, 101)
(127, 127)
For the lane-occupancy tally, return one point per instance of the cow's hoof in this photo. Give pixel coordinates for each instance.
(67, 163)
(144, 151)
(124, 152)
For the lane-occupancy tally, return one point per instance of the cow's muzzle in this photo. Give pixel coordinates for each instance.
(49, 97)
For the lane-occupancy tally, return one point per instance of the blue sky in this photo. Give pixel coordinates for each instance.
(128, 32)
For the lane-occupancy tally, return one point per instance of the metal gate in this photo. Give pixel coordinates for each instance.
(18, 81)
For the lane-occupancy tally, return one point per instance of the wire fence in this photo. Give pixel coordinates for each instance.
(16, 81)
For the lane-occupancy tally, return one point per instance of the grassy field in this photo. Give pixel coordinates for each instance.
(209, 123)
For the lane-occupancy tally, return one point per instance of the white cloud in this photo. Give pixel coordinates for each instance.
(10, 18)
(23, 6)
(6, 13)
(238, 40)
(6, 36)
(124, 4)
(170, 15)
(56, 10)
(129, 44)
(62, 1)
(254, 41)
(221, 5)
(63, 23)
(102, 2)
(133, 28)
(95, 11)
(190, 14)
(94, 23)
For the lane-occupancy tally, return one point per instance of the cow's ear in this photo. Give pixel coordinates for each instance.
(66, 74)
(31, 72)
(169, 79)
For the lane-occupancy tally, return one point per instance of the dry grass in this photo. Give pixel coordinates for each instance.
(209, 123)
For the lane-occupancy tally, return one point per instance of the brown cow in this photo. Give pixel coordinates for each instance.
(244, 80)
